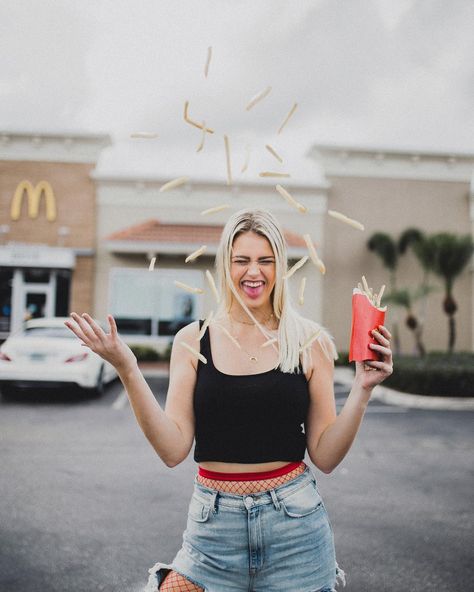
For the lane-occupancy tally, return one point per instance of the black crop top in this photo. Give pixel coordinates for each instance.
(248, 418)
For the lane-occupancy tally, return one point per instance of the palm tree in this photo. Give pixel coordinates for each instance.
(425, 252)
(385, 247)
(452, 255)
(406, 299)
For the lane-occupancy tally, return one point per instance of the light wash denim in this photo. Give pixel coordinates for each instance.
(279, 540)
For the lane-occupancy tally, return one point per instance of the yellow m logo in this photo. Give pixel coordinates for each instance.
(33, 196)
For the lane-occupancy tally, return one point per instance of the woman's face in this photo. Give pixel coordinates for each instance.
(252, 267)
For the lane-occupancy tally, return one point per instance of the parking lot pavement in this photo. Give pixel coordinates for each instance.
(86, 504)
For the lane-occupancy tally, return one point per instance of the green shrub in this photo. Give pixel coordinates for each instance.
(145, 353)
(438, 374)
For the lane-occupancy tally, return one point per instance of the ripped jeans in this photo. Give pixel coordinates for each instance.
(273, 541)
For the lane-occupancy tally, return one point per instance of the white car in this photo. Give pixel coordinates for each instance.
(45, 353)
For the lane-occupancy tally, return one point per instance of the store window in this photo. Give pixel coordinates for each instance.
(148, 303)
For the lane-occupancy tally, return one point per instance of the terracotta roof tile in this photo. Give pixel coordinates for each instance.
(156, 231)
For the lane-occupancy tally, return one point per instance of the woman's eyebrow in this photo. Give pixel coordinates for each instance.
(248, 258)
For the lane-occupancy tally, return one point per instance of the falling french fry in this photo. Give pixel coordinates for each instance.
(287, 118)
(227, 159)
(296, 266)
(313, 254)
(274, 153)
(151, 267)
(273, 174)
(174, 183)
(194, 352)
(269, 342)
(205, 325)
(258, 97)
(208, 61)
(290, 199)
(309, 341)
(203, 137)
(187, 119)
(144, 135)
(301, 291)
(196, 254)
(343, 218)
(215, 210)
(212, 284)
(188, 288)
(231, 337)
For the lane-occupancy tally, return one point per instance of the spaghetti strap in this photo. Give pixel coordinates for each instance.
(205, 346)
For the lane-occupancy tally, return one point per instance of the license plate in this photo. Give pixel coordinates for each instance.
(37, 357)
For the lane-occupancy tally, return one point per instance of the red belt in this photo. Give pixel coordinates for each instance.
(255, 476)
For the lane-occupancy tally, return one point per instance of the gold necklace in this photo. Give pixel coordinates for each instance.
(252, 358)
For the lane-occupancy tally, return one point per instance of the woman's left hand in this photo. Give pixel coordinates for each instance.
(372, 372)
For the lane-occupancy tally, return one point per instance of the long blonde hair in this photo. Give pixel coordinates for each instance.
(294, 330)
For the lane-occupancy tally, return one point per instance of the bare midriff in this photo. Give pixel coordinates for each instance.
(224, 467)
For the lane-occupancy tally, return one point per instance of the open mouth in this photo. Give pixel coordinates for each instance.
(253, 289)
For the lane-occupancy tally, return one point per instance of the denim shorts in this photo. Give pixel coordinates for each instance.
(272, 541)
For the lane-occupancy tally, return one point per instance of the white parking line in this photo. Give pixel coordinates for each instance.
(121, 400)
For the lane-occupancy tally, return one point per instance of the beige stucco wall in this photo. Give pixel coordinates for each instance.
(391, 206)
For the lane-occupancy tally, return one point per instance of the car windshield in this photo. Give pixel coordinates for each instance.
(62, 332)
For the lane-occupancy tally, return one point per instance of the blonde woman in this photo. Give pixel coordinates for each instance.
(261, 399)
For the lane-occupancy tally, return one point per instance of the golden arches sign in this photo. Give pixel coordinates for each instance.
(33, 195)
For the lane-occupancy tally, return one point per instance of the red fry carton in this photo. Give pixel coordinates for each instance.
(365, 318)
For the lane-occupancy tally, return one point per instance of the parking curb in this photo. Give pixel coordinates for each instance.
(390, 396)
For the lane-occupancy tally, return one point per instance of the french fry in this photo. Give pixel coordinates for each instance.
(231, 337)
(247, 159)
(274, 153)
(205, 325)
(273, 174)
(301, 291)
(379, 297)
(285, 121)
(195, 254)
(290, 199)
(214, 210)
(227, 158)
(269, 342)
(295, 267)
(194, 352)
(151, 267)
(343, 218)
(258, 97)
(174, 183)
(208, 61)
(187, 119)
(144, 135)
(359, 285)
(309, 341)
(188, 288)
(203, 137)
(313, 254)
(211, 282)
(365, 284)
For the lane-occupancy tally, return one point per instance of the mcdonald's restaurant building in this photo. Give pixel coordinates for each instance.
(47, 225)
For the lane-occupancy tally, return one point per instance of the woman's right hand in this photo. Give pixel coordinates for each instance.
(108, 346)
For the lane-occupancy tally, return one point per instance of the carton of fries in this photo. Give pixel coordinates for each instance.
(365, 318)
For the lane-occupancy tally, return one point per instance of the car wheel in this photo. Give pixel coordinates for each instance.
(99, 388)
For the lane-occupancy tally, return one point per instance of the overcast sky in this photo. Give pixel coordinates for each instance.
(381, 73)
